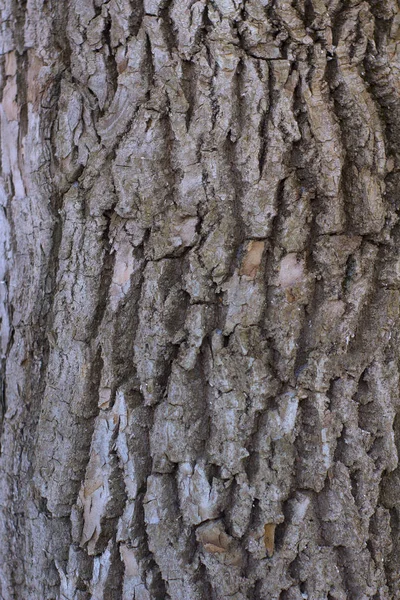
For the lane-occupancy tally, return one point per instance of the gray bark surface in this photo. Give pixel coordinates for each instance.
(199, 300)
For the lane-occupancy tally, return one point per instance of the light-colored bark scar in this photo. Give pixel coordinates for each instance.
(291, 271)
(9, 100)
(34, 92)
(216, 541)
(252, 259)
(130, 561)
(123, 269)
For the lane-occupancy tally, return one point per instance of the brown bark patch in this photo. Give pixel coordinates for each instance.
(269, 538)
(214, 539)
(252, 259)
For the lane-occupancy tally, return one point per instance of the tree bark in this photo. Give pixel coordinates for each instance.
(199, 300)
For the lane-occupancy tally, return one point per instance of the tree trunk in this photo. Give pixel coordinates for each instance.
(199, 300)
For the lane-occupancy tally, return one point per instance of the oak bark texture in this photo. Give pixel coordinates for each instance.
(199, 286)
